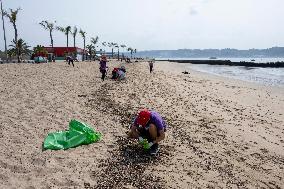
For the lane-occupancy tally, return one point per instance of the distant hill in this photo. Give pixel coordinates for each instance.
(274, 52)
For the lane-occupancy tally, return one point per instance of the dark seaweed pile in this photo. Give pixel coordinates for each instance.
(127, 166)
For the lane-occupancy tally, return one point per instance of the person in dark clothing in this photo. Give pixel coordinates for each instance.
(151, 65)
(103, 66)
(70, 60)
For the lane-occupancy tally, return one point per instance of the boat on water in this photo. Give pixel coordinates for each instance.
(213, 58)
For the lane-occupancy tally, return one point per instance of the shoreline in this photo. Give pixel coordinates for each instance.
(222, 132)
(183, 67)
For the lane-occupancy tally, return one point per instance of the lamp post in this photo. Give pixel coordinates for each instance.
(4, 31)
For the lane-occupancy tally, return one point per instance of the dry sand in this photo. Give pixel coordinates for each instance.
(223, 133)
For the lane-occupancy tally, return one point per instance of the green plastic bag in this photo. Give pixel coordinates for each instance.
(79, 134)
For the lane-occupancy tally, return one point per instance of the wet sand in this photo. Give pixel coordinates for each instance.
(222, 133)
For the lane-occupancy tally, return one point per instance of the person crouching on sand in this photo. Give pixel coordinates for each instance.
(70, 60)
(149, 128)
(103, 66)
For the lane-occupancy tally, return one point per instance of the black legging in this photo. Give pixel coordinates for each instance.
(103, 74)
(72, 61)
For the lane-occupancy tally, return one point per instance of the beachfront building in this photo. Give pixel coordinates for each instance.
(60, 53)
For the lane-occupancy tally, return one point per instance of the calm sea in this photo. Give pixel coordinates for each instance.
(265, 76)
(256, 60)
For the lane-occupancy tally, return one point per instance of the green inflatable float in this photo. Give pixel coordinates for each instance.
(79, 134)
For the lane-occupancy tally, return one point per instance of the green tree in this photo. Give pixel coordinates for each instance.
(13, 18)
(49, 26)
(39, 50)
(21, 48)
(83, 34)
(91, 50)
(11, 53)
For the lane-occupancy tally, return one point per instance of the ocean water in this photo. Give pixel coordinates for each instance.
(256, 60)
(264, 76)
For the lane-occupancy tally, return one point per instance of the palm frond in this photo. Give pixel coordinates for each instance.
(47, 25)
(61, 29)
(75, 31)
(83, 34)
(68, 30)
(94, 40)
(12, 15)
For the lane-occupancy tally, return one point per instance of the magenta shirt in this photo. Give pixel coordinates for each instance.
(103, 65)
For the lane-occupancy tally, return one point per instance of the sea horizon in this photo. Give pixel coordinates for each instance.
(232, 59)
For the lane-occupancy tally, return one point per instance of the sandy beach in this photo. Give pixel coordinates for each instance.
(222, 133)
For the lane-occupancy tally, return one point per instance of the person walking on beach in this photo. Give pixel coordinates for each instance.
(151, 64)
(103, 66)
(149, 128)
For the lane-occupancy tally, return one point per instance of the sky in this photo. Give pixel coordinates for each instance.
(154, 24)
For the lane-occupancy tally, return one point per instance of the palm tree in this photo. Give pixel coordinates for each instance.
(131, 50)
(21, 47)
(104, 44)
(49, 26)
(13, 18)
(117, 46)
(4, 32)
(40, 50)
(74, 33)
(11, 53)
(83, 34)
(66, 31)
(94, 41)
(111, 45)
(91, 50)
(123, 46)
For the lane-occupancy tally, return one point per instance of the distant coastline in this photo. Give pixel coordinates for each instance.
(230, 63)
(274, 52)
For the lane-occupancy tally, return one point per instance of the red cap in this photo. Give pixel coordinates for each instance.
(143, 117)
(103, 57)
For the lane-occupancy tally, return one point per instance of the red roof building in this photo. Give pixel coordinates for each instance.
(60, 53)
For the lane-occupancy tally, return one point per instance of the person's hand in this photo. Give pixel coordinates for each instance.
(147, 145)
